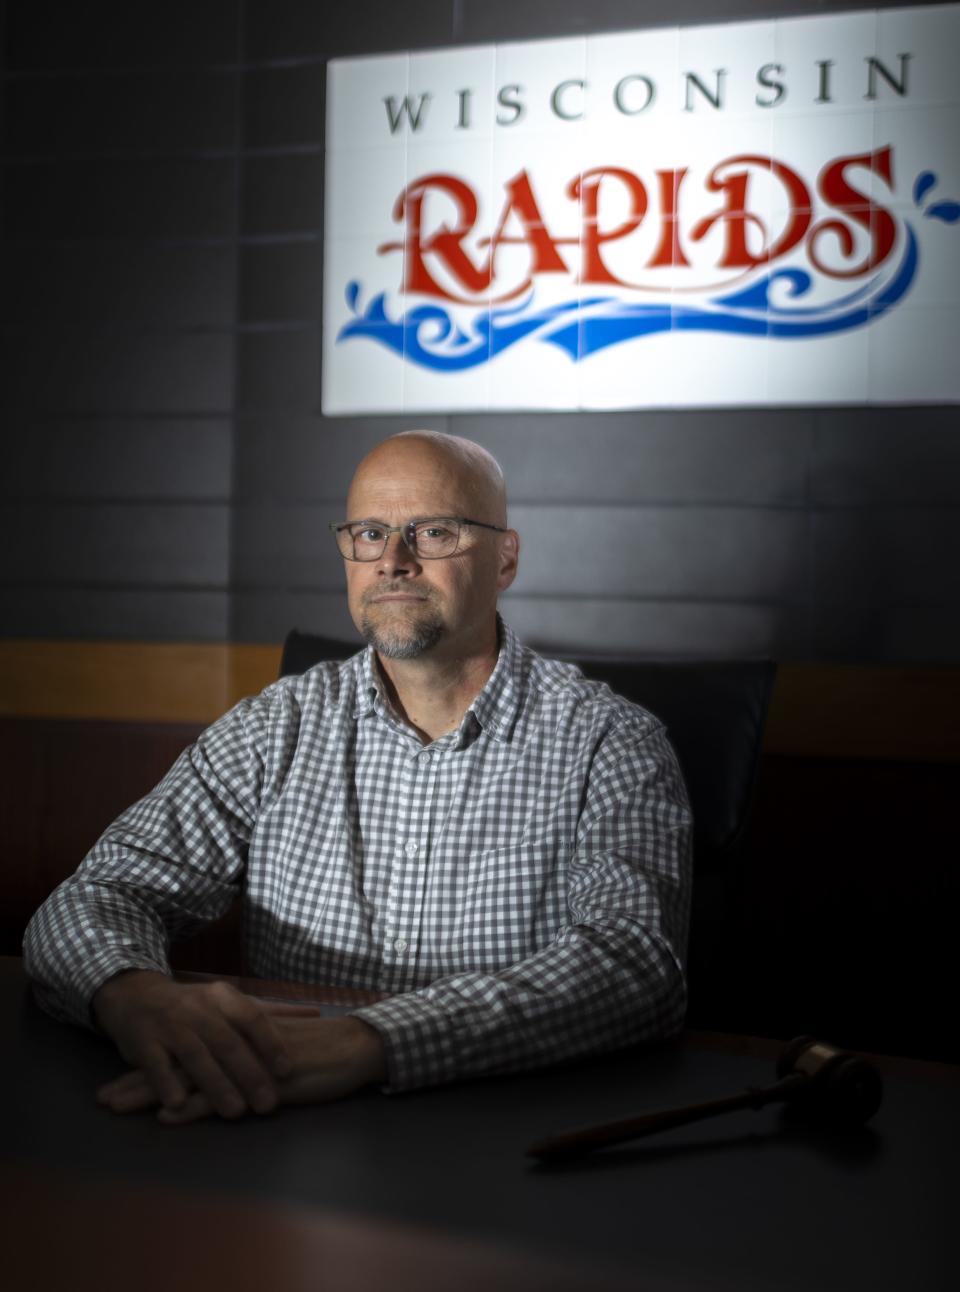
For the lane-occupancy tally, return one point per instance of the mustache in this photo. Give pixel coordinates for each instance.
(370, 595)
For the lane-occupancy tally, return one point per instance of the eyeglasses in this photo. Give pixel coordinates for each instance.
(428, 539)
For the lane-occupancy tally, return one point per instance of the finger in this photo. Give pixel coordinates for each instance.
(260, 1030)
(123, 1082)
(196, 1107)
(208, 1076)
(166, 1081)
(242, 1064)
(130, 1094)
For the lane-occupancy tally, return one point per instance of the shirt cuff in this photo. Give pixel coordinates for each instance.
(71, 1002)
(418, 1040)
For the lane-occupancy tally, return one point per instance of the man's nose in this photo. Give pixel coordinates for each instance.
(397, 558)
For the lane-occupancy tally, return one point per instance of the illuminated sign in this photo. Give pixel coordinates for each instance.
(751, 213)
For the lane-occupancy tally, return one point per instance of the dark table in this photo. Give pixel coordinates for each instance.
(433, 1190)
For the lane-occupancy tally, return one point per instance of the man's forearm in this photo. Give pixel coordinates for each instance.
(596, 990)
(83, 936)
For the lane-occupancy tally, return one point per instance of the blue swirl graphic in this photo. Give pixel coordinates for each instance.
(427, 335)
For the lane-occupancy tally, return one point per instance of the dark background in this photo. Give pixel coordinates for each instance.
(169, 475)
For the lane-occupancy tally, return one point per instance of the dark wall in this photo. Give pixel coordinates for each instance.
(167, 470)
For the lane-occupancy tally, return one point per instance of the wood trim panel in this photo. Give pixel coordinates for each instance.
(837, 711)
(818, 710)
(130, 681)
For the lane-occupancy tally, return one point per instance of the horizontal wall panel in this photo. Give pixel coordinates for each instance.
(920, 634)
(279, 370)
(292, 29)
(100, 198)
(657, 629)
(308, 458)
(481, 21)
(107, 33)
(152, 681)
(75, 283)
(282, 195)
(887, 634)
(690, 553)
(683, 552)
(146, 111)
(156, 614)
(283, 106)
(877, 557)
(117, 371)
(114, 544)
(281, 281)
(118, 460)
(742, 456)
(738, 458)
(284, 547)
(115, 680)
(886, 455)
(268, 614)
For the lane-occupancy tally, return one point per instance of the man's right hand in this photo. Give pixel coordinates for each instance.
(185, 1037)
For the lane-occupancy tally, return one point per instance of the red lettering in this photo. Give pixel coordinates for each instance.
(669, 253)
(586, 190)
(544, 256)
(439, 261)
(877, 221)
(736, 216)
(445, 243)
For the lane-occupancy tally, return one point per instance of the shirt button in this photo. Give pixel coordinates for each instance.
(400, 944)
(424, 755)
(411, 848)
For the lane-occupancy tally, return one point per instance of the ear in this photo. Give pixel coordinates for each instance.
(509, 559)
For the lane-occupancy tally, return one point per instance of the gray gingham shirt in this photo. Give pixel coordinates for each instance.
(520, 886)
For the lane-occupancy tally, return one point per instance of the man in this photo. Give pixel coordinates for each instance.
(498, 843)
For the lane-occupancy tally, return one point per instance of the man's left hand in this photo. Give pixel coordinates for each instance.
(331, 1057)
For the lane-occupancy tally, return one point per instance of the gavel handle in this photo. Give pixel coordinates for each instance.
(585, 1139)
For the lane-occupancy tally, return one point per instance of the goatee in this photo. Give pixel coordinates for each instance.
(403, 640)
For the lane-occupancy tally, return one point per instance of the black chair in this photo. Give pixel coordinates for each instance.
(714, 712)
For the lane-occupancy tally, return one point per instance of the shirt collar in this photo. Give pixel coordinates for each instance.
(368, 689)
(495, 709)
(498, 704)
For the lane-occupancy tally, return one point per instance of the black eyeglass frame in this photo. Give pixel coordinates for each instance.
(409, 533)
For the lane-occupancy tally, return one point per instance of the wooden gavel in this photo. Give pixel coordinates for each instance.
(824, 1085)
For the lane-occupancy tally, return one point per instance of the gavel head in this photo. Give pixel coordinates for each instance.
(839, 1089)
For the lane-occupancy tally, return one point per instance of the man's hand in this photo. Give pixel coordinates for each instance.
(330, 1057)
(205, 1037)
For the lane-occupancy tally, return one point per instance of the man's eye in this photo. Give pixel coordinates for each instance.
(432, 532)
(369, 535)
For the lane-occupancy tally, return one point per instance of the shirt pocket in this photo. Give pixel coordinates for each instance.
(514, 903)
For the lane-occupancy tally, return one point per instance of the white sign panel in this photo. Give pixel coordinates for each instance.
(752, 213)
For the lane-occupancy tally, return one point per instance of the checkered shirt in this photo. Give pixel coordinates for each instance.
(520, 886)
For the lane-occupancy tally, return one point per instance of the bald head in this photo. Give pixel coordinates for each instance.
(410, 605)
(466, 478)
